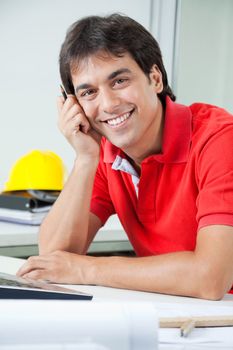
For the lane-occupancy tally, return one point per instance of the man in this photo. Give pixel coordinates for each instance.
(164, 168)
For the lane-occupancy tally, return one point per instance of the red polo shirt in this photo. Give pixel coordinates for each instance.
(188, 186)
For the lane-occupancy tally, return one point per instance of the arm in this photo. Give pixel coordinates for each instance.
(205, 273)
(69, 226)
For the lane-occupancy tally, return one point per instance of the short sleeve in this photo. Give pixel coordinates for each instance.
(101, 203)
(215, 180)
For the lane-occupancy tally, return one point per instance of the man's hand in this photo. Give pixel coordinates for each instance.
(68, 230)
(58, 267)
(75, 126)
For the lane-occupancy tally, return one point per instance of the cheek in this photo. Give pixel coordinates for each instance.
(151, 97)
(131, 95)
(140, 93)
(145, 99)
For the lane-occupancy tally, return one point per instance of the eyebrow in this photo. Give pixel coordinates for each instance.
(110, 77)
(118, 72)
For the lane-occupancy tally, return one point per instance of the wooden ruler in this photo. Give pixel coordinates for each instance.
(202, 321)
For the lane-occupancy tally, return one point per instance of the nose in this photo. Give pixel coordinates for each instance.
(110, 101)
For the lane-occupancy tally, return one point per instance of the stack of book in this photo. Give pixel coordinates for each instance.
(23, 207)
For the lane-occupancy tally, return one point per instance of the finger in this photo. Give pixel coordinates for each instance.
(74, 110)
(64, 105)
(68, 114)
(39, 274)
(69, 103)
(78, 123)
(32, 263)
(81, 124)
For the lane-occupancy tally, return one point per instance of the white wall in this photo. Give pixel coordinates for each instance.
(205, 55)
(31, 33)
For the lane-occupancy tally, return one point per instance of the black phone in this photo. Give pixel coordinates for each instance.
(64, 94)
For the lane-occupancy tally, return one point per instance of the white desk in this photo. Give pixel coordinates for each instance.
(202, 338)
(21, 240)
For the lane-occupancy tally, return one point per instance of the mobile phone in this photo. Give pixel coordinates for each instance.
(64, 94)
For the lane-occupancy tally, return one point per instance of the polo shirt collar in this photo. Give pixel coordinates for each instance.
(176, 137)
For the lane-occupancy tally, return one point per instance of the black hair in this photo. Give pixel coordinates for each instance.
(115, 34)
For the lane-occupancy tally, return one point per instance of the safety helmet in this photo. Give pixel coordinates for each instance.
(37, 170)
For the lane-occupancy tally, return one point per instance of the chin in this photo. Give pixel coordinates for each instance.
(122, 144)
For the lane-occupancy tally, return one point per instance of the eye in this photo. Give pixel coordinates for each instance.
(120, 81)
(88, 93)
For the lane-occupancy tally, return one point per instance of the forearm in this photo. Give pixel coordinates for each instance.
(66, 225)
(205, 273)
(180, 273)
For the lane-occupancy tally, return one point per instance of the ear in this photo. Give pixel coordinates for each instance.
(156, 79)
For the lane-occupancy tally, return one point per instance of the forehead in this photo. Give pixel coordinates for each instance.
(102, 64)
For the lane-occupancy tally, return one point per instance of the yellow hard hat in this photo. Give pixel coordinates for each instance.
(37, 170)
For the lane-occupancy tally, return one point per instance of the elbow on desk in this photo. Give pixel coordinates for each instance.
(213, 285)
(214, 294)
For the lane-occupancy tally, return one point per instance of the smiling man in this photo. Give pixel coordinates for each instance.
(164, 168)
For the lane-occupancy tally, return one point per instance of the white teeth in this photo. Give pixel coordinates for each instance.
(118, 120)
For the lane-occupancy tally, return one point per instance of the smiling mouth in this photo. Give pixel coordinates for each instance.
(115, 122)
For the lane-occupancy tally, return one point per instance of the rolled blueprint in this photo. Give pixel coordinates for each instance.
(82, 325)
